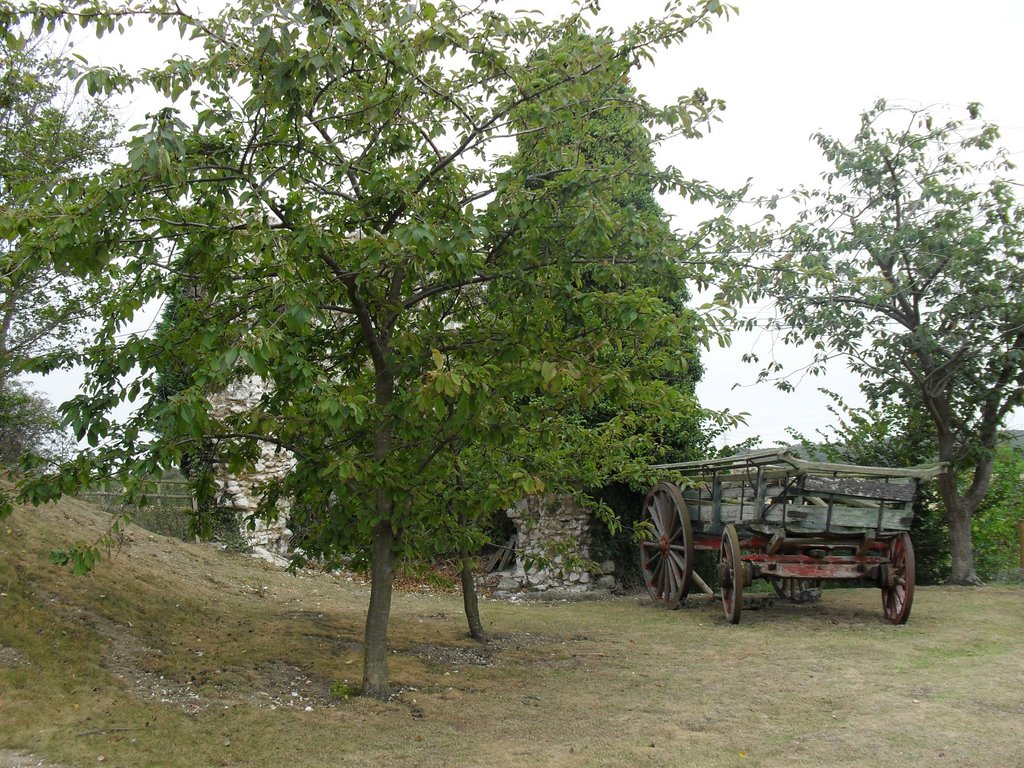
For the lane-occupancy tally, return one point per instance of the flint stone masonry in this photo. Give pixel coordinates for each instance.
(553, 531)
(268, 540)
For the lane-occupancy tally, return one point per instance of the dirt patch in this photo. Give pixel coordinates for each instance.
(10, 759)
(443, 656)
(12, 658)
(131, 660)
(274, 685)
(127, 657)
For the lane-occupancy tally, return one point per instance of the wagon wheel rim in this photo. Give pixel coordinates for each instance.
(731, 569)
(791, 589)
(897, 599)
(667, 559)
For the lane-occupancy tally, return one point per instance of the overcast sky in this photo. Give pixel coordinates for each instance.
(788, 68)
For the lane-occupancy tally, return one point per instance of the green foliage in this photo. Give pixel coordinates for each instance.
(44, 140)
(174, 373)
(621, 545)
(83, 556)
(47, 140)
(996, 545)
(341, 691)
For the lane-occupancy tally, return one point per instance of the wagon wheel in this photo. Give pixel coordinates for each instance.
(897, 599)
(731, 574)
(796, 590)
(667, 561)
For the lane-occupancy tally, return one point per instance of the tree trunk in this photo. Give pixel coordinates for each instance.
(469, 598)
(376, 681)
(961, 545)
(959, 508)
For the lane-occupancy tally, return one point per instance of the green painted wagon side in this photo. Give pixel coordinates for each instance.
(769, 490)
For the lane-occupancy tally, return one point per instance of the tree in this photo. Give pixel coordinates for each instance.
(30, 425)
(607, 134)
(46, 137)
(356, 238)
(909, 266)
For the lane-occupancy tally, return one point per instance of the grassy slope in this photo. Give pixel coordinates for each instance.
(177, 655)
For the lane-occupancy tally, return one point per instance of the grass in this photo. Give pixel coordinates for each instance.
(176, 654)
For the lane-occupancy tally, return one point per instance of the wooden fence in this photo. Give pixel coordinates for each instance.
(168, 511)
(168, 494)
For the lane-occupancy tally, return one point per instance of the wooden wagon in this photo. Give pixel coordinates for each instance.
(793, 522)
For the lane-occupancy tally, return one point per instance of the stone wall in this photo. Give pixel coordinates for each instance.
(269, 540)
(553, 548)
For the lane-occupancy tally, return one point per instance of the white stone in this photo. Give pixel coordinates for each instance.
(239, 493)
(606, 582)
(551, 530)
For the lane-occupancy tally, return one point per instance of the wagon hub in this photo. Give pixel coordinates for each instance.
(887, 576)
(724, 575)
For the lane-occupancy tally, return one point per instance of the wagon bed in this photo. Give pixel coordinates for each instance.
(775, 516)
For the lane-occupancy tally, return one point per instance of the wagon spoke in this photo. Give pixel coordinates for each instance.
(670, 519)
(670, 577)
(659, 568)
(656, 513)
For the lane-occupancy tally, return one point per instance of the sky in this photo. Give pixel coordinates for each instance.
(786, 69)
(790, 68)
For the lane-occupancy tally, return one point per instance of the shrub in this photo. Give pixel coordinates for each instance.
(996, 546)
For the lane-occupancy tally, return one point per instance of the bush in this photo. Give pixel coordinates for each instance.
(1012, 576)
(996, 546)
(621, 546)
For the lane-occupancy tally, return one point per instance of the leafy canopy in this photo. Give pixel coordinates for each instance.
(335, 183)
(909, 265)
(46, 138)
